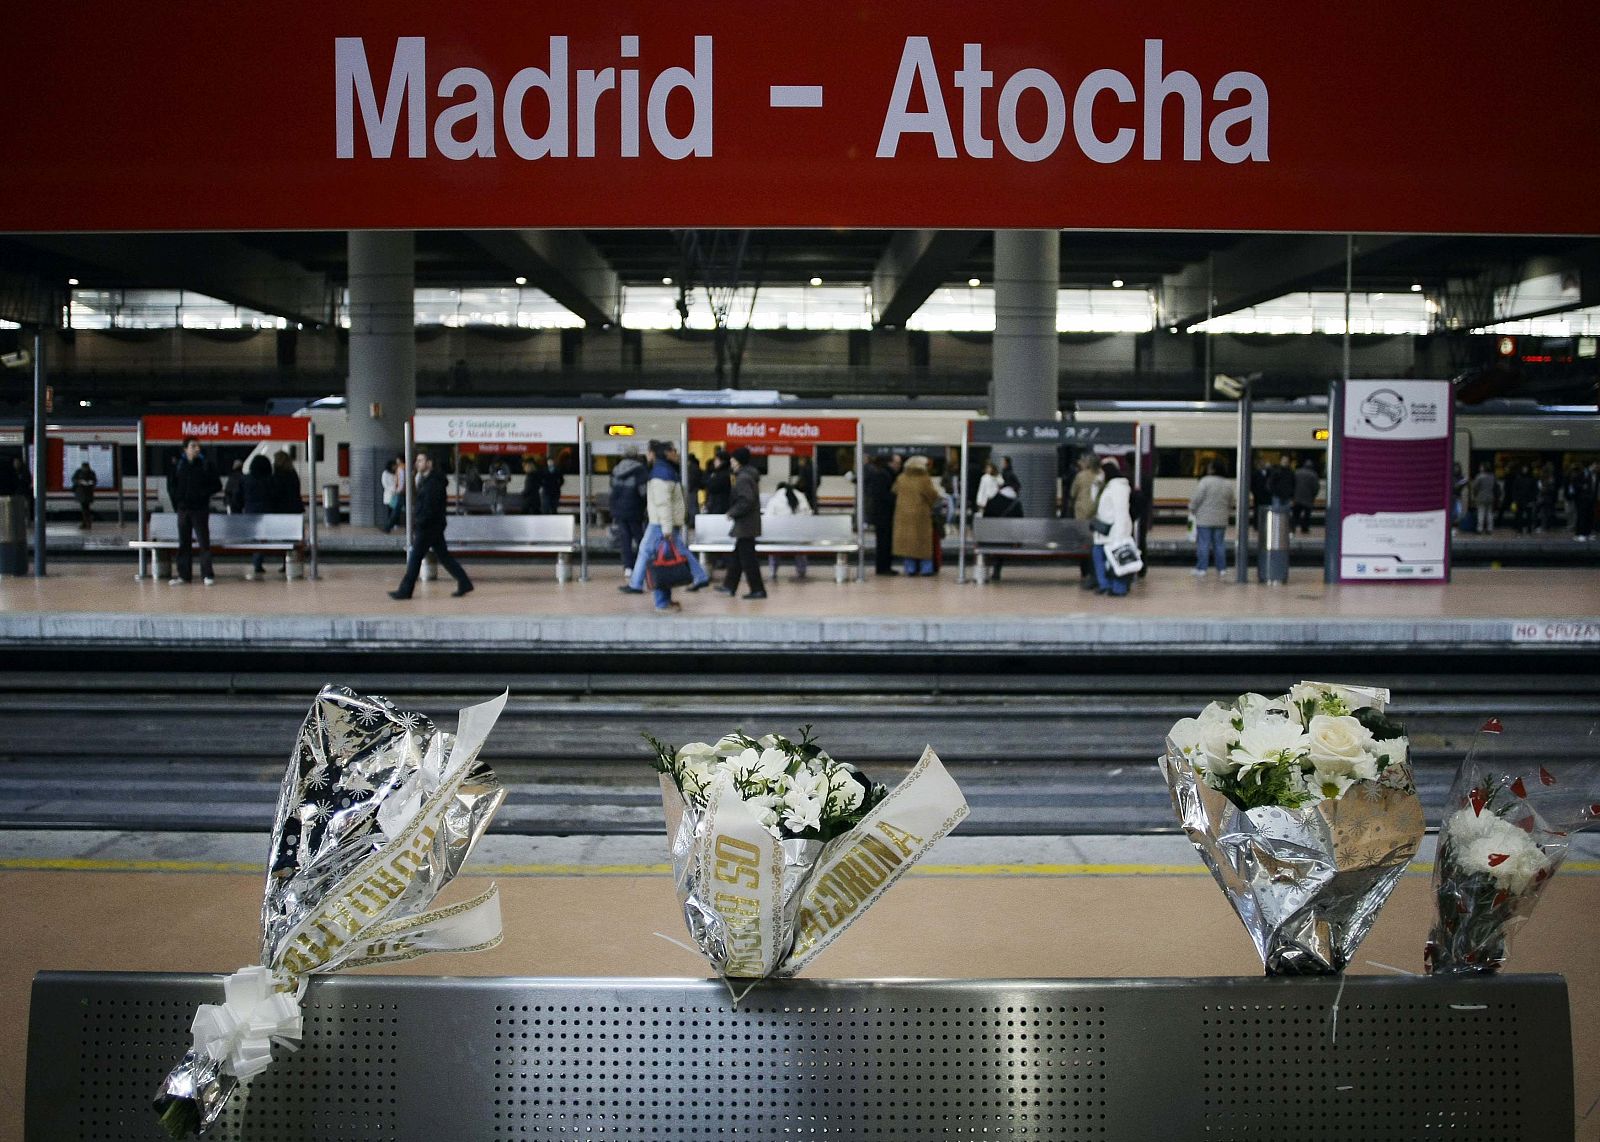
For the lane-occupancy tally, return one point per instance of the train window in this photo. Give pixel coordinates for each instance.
(836, 461)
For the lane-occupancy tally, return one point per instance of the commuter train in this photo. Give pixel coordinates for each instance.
(1506, 434)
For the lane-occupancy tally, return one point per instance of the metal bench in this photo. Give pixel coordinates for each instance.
(404, 1058)
(269, 531)
(785, 535)
(517, 535)
(1028, 539)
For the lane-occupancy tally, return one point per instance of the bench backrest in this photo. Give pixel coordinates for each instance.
(832, 528)
(1312, 1058)
(1047, 534)
(269, 527)
(558, 529)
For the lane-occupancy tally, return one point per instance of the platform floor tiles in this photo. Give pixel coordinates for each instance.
(520, 588)
(1050, 922)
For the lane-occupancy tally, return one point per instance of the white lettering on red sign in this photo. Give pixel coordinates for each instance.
(558, 109)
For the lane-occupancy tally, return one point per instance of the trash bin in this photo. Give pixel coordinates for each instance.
(1273, 561)
(330, 504)
(14, 523)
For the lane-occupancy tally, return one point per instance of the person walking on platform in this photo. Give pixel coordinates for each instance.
(190, 487)
(628, 481)
(255, 498)
(1211, 507)
(667, 515)
(1306, 487)
(1484, 490)
(430, 516)
(877, 492)
(83, 482)
(1113, 523)
(744, 510)
(915, 495)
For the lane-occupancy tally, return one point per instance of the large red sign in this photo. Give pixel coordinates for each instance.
(223, 427)
(938, 113)
(773, 435)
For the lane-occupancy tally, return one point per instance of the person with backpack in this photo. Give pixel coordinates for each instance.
(666, 515)
(628, 480)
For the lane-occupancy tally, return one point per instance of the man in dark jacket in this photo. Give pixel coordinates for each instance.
(1306, 486)
(190, 487)
(878, 494)
(550, 483)
(430, 514)
(745, 513)
(627, 506)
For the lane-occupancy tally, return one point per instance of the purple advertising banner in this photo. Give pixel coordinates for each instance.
(1394, 481)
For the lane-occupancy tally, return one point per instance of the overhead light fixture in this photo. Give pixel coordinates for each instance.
(84, 403)
(1416, 287)
(72, 281)
(666, 281)
(1172, 329)
(816, 281)
(972, 282)
(522, 281)
(1116, 283)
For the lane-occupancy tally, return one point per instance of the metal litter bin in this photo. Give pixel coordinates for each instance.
(1272, 567)
(330, 504)
(14, 523)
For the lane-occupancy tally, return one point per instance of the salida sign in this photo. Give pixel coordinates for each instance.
(938, 113)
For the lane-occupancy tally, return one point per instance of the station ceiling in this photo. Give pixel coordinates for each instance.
(293, 274)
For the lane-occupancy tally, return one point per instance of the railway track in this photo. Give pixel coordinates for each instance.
(1035, 753)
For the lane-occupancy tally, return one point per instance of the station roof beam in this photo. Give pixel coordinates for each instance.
(1258, 269)
(562, 263)
(217, 265)
(916, 263)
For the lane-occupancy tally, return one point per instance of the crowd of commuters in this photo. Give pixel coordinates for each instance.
(1528, 502)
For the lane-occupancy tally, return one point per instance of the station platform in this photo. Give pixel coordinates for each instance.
(1034, 908)
(1036, 609)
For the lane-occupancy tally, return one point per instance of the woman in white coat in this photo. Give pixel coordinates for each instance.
(989, 484)
(787, 500)
(1113, 523)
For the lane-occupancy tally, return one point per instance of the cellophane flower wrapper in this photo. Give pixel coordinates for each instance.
(1503, 835)
(1324, 832)
(761, 902)
(377, 813)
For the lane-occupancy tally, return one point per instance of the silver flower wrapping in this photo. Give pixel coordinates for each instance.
(1307, 883)
(361, 773)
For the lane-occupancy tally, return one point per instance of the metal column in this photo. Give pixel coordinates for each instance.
(41, 454)
(143, 528)
(961, 508)
(861, 516)
(1242, 474)
(311, 474)
(583, 503)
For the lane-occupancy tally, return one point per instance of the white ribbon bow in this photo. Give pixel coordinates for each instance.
(240, 1033)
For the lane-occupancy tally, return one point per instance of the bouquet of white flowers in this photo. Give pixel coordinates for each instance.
(777, 847)
(1304, 809)
(1503, 837)
(377, 813)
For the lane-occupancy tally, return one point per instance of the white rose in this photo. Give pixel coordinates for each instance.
(1267, 743)
(1185, 735)
(1216, 714)
(1340, 747)
(696, 751)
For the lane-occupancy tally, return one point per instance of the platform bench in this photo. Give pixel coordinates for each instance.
(516, 535)
(1028, 539)
(807, 535)
(250, 533)
(418, 1059)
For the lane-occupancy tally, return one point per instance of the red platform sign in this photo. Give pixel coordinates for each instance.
(773, 435)
(220, 427)
(1162, 115)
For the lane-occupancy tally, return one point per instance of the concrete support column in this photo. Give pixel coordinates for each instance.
(382, 390)
(1027, 273)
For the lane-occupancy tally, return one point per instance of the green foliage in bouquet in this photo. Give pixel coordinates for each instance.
(794, 787)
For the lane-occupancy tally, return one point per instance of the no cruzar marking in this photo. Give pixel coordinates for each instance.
(796, 95)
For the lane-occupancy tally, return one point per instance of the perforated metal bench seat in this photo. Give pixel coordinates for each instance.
(425, 1058)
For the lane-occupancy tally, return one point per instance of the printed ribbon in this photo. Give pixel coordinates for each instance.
(258, 1010)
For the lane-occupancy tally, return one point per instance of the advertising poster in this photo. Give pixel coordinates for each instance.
(1394, 477)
